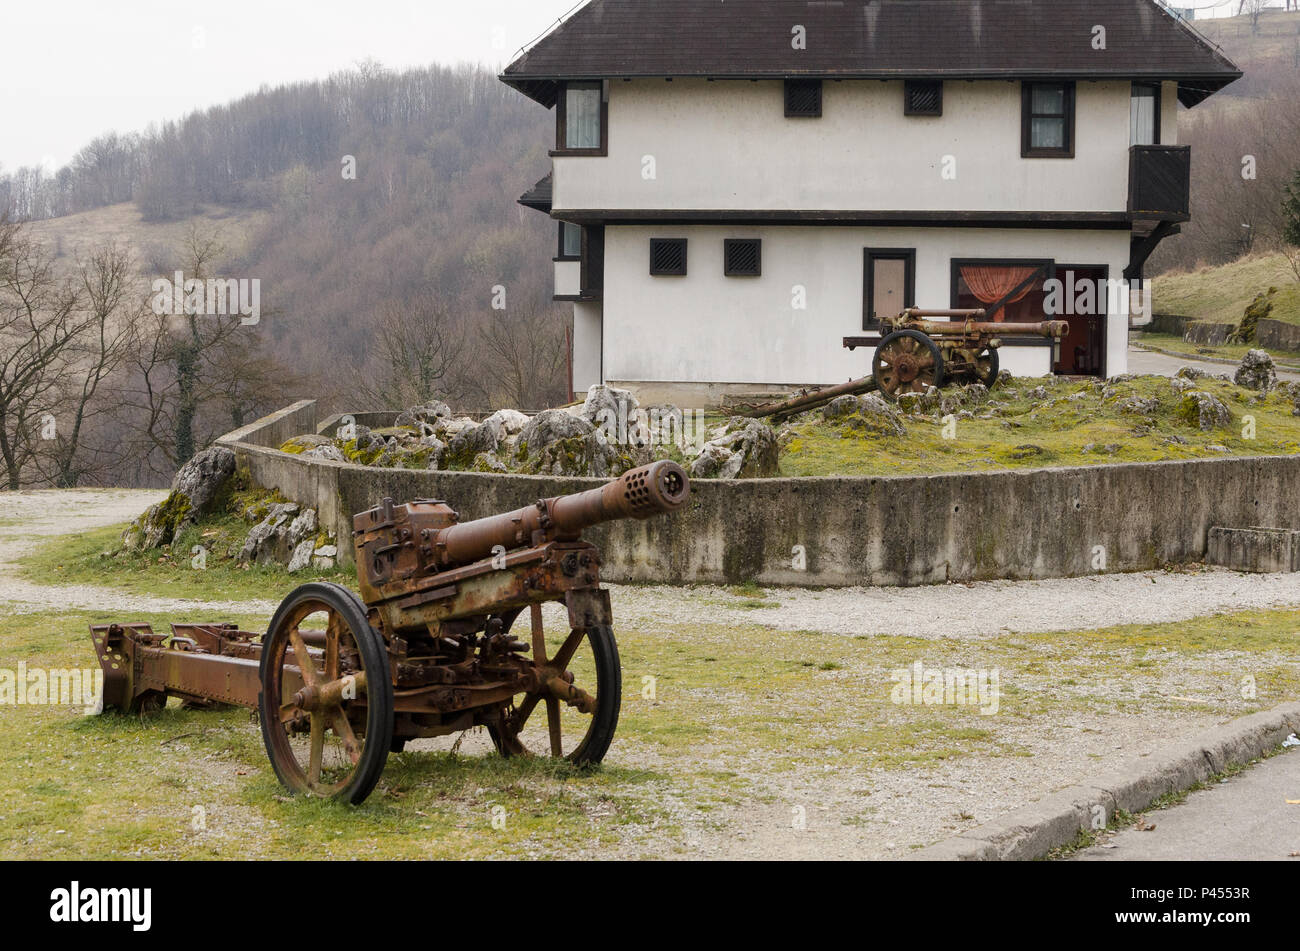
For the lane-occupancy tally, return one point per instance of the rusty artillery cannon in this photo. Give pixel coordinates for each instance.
(340, 681)
(923, 348)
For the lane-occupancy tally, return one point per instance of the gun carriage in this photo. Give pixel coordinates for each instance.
(429, 648)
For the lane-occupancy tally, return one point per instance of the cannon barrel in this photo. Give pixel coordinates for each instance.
(932, 328)
(639, 493)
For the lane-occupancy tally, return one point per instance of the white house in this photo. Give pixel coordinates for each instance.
(740, 185)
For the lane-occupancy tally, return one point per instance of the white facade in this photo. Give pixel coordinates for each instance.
(786, 327)
(720, 160)
(693, 144)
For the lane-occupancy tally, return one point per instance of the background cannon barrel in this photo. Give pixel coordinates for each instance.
(638, 493)
(1045, 328)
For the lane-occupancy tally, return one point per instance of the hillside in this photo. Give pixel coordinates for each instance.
(1278, 40)
(1220, 294)
(152, 242)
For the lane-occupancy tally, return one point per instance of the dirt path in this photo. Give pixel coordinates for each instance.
(28, 517)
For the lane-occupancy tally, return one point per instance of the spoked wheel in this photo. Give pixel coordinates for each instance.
(574, 711)
(327, 695)
(907, 361)
(987, 367)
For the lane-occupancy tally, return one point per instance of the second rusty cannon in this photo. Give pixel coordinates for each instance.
(922, 348)
(428, 649)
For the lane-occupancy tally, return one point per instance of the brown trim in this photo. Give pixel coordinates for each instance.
(593, 298)
(561, 114)
(1057, 220)
(1027, 117)
(869, 255)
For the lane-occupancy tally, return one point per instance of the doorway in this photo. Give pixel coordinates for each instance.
(889, 285)
(1083, 350)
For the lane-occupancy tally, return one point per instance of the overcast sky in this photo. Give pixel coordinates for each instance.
(72, 69)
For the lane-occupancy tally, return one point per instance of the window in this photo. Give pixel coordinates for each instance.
(743, 258)
(570, 241)
(1018, 286)
(668, 257)
(922, 98)
(1048, 120)
(890, 285)
(1144, 114)
(581, 117)
(803, 98)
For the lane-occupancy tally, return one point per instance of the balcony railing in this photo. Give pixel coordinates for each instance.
(1160, 183)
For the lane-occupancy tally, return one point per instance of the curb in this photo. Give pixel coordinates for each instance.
(1198, 358)
(1032, 831)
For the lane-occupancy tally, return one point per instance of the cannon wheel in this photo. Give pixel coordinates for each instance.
(329, 737)
(987, 367)
(907, 361)
(587, 659)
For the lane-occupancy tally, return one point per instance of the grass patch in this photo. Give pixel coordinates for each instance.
(1077, 423)
(1221, 294)
(95, 557)
(1227, 351)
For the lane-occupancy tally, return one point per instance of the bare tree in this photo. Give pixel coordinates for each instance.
(524, 351)
(111, 306)
(419, 354)
(38, 326)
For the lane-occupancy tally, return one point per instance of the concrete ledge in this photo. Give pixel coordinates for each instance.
(1261, 550)
(890, 530)
(1032, 831)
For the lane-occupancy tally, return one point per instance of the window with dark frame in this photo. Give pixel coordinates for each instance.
(581, 119)
(570, 241)
(1144, 114)
(1047, 124)
(743, 257)
(922, 97)
(668, 257)
(803, 98)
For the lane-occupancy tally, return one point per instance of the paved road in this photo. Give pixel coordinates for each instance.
(1246, 818)
(1146, 361)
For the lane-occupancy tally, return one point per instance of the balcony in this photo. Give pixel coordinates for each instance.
(1159, 183)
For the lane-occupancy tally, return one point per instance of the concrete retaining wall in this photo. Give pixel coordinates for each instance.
(907, 530)
(1276, 335)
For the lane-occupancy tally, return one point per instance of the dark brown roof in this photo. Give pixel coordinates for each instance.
(872, 39)
(539, 196)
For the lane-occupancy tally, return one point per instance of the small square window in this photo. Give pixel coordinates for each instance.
(1047, 123)
(922, 98)
(743, 258)
(570, 241)
(803, 98)
(668, 257)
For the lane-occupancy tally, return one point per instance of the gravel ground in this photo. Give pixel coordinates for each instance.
(982, 609)
(851, 811)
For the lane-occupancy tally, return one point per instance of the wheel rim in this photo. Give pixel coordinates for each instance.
(562, 715)
(986, 366)
(318, 687)
(906, 364)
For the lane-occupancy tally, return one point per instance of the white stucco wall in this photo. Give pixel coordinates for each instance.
(729, 146)
(586, 346)
(708, 327)
(568, 278)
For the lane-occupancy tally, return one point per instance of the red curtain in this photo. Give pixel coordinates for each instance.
(991, 284)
